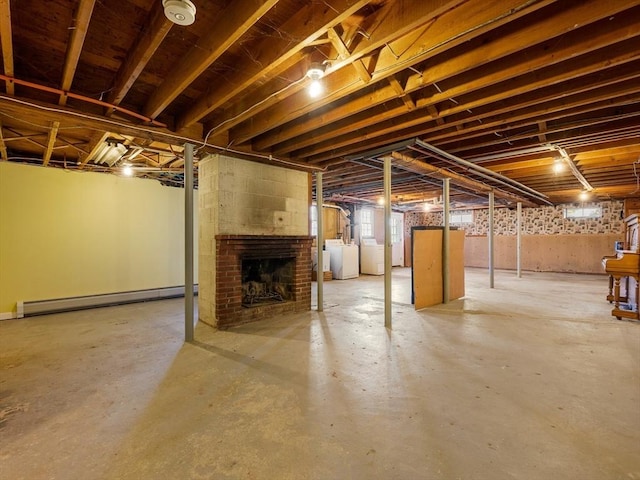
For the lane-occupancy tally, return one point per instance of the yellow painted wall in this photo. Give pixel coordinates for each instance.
(66, 234)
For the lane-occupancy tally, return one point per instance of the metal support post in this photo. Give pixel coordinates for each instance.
(188, 242)
(491, 231)
(387, 242)
(445, 242)
(320, 241)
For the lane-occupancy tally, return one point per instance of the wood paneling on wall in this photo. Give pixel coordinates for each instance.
(543, 253)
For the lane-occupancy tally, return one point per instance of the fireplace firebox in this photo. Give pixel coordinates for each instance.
(261, 276)
(267, 280)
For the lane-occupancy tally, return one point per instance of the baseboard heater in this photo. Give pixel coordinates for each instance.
(41, 307)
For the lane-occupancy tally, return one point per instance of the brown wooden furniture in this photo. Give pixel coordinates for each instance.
(624, 273)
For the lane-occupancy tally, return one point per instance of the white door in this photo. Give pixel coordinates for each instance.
(397, 239)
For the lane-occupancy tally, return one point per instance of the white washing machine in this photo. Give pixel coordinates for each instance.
(326, 259)
(371, 257)
(344, 259)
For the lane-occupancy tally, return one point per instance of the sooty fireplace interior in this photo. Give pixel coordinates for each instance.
(261, 276)
(267, 280)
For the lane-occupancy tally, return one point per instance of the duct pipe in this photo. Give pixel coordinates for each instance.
(478, 169)
(387, 242)
(445, 242)
(491, 208)
(320, 242)
(188, 242)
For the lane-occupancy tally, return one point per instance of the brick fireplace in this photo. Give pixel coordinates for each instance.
(254, 248)
(260, 254)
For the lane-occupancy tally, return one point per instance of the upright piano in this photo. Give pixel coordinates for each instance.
(624, 274)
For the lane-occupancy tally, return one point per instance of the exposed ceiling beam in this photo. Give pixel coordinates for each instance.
(274, 54)
(445, 30)
(533, 105)
(150, 38)
(7, 43)
(540, 57)
(76, 41)
(51, 140)
(404, 96)
(232, 23)
(344, 53)
(3, 146)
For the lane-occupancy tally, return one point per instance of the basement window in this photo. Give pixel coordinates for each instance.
(459, 218)
(366, 223)
(577, 213)
(395, 230)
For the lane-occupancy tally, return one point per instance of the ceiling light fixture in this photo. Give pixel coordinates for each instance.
(584, 195)
(315, 73)
(127, 171)
(558, 166)
(180, 12)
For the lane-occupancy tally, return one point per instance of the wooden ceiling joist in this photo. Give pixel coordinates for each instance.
(51, 140)
(309, 24)
(147, 44)
(3, 146)
(491, 82)
(77, 36)
(7, 43)
(230, 26)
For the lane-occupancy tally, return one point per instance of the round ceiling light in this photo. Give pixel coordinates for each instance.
(181, 12)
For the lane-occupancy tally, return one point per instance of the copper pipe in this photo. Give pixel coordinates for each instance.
(83, 98)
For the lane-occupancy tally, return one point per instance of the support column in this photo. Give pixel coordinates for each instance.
(387, 242)
(445, 242)
(491, 229)
(519, 240)
(188, 242)
(320, 241)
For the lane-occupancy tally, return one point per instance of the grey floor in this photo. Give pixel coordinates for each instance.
(533, 379)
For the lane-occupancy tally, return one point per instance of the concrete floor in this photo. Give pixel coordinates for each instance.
(531, 380)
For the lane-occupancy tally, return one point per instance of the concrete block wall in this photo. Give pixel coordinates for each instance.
(258, 199)
(239, 197)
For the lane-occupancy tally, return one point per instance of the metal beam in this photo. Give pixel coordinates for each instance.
(481, 170)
